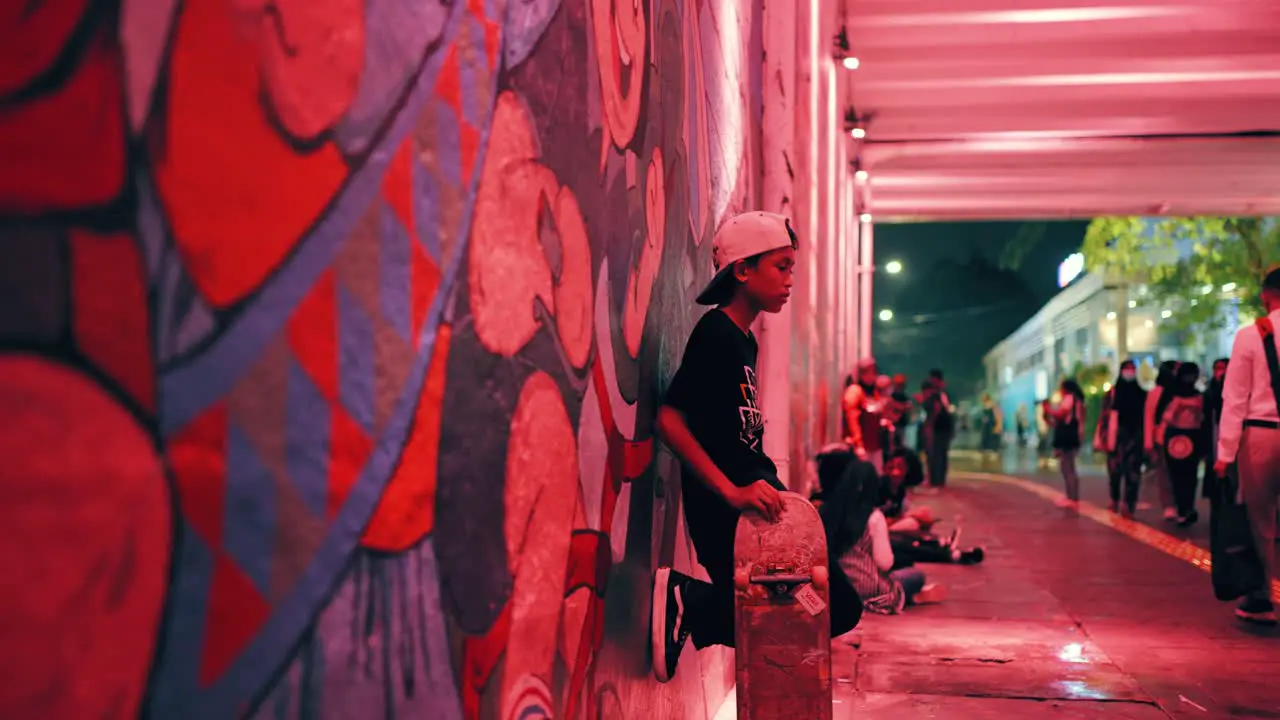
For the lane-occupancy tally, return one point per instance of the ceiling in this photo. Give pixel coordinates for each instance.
(1067, 108)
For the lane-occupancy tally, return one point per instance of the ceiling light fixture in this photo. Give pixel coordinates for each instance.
(842, 52)
(855, 123)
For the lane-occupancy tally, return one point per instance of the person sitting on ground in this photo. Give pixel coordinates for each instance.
(911, 528)
(903, 471)
(858, 542)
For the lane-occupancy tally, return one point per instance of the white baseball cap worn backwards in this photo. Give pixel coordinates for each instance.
(741, 237)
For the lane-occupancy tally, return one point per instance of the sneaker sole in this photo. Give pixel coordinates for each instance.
(658, 624)
(1259, 618)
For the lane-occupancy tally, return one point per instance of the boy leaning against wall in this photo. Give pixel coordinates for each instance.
(711, 420)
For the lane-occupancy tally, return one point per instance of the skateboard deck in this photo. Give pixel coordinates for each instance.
(781, 615)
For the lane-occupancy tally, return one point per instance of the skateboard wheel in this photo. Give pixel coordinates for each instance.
(742, 579)
(820, 578)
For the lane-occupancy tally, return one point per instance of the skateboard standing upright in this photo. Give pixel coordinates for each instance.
(781, 615)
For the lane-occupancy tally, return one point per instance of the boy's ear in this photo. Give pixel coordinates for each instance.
(740, 271)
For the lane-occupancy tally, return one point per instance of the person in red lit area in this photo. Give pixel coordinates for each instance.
(1249, 438)
(910, 527)
(863, 406)
(898, 411)
(1068, 418)
(938, 429)
(711, 420)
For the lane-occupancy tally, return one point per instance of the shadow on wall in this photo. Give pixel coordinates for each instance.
(330, 340)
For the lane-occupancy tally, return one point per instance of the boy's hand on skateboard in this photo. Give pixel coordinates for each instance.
(759, 496)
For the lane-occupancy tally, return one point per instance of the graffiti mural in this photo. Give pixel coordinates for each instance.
(333, 333)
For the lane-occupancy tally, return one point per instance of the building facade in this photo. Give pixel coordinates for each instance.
(1079, 327)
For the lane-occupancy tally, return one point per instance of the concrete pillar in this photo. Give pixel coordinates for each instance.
(853, 349)
(846, 256)
(832, 127)
(848, 334)
(777, 146)
(804, 297)
(867, 265)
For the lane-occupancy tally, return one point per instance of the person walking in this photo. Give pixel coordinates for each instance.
(1119, 435)
(1249, 437)
(992, 424)
(1068, 432)
(1213, 409)
(1152, 442)
(1186, 433)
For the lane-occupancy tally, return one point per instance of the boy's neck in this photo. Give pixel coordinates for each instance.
(741, 312)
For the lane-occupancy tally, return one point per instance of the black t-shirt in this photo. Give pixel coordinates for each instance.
(715, 390)
(937, 413)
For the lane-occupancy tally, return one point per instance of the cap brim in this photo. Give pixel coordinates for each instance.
(720, 290)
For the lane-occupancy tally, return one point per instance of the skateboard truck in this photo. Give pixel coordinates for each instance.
(781, 583)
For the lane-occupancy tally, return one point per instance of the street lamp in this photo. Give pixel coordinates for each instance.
(893, 267)
(886, 315)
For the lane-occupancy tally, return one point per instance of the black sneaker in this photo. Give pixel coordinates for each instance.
(1258, 610)
(666, 622)
(972, 556)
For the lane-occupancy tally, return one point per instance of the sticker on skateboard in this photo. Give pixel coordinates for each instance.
(809, 600)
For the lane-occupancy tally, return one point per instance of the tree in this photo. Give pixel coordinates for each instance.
(1092, 377)
(1192, 266)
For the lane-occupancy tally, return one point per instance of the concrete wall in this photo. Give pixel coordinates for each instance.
(331, 334)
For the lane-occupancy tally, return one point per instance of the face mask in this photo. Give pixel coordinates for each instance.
(1128, 375)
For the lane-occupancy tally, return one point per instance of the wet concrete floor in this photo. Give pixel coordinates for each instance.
(1067, 618)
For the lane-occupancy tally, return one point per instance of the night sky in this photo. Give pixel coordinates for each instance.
(953, 302)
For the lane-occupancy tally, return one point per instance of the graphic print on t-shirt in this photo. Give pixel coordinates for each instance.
(749, 413)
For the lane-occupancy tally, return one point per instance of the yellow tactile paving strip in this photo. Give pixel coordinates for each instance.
(1144, 534)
